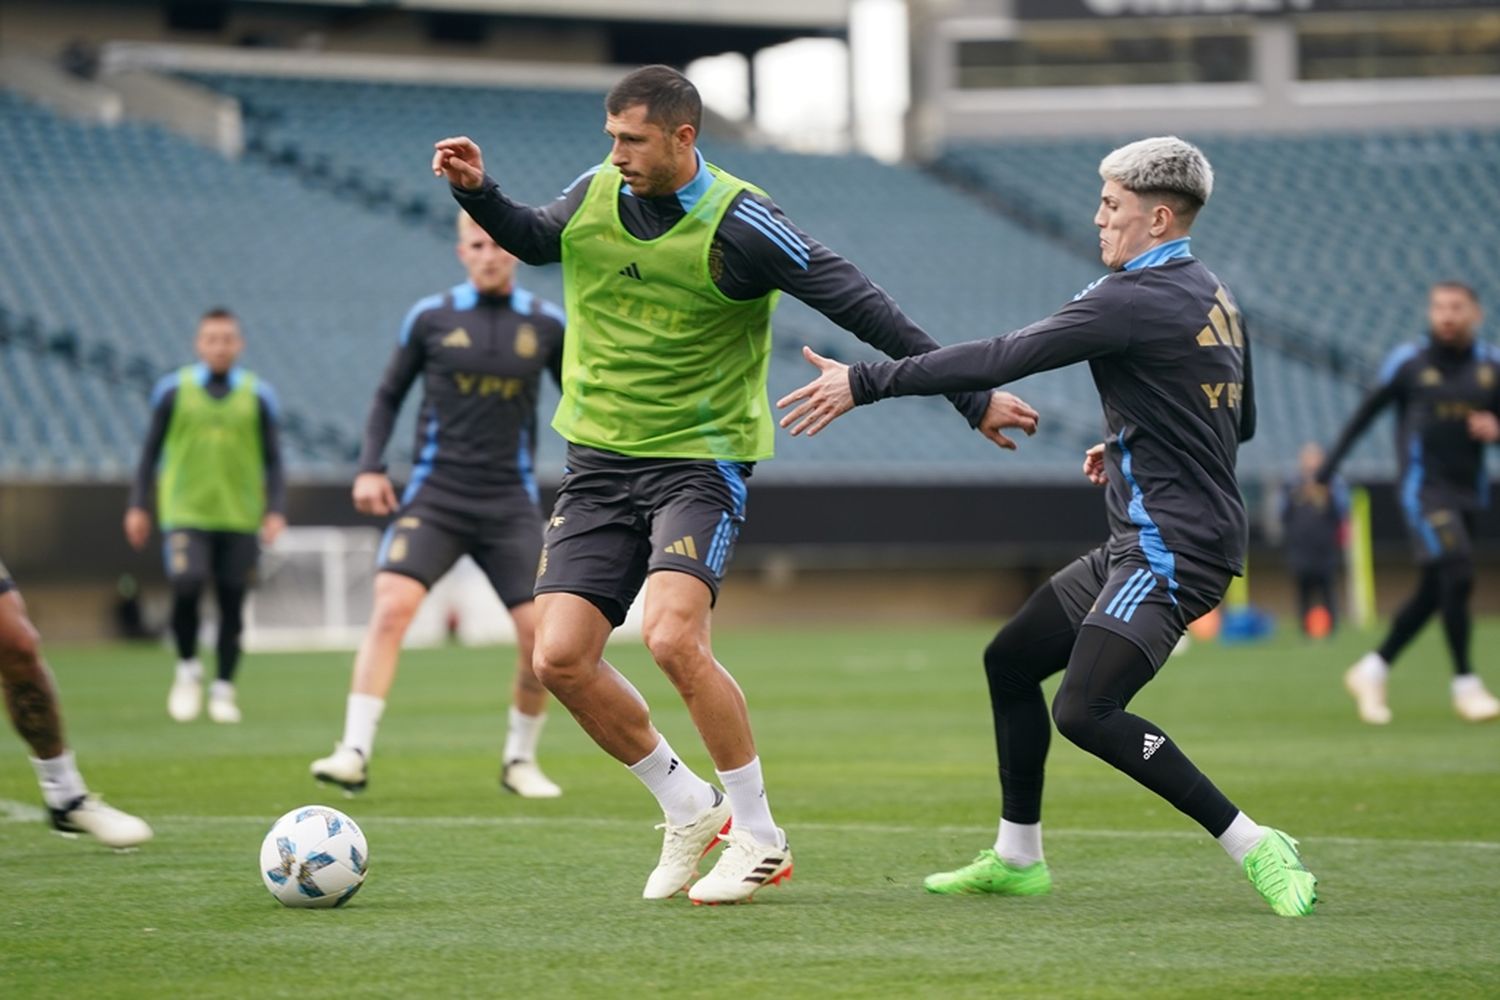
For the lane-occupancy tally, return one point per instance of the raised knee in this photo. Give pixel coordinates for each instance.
(1074, 720)
(675, 647)
(558, 665)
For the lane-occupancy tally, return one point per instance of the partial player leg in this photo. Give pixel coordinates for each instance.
(31, 700)
(187, 569)
(570, 636)
(1103, 675)
(508, 551)
(519, 770)
(1366, 679)
(234, 557)
(1471, 701)
(1032, 646)
(397, 598)
(221, 696)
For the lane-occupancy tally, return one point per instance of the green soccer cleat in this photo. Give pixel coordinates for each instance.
(987, 873)
(1278, 874)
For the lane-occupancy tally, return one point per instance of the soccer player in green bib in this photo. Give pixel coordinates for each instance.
(671, 268)
(213, 455)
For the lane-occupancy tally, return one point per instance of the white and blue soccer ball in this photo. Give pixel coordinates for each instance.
(314, 856)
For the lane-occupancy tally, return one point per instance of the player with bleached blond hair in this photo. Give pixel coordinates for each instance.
(480, 349)
(1169, 355)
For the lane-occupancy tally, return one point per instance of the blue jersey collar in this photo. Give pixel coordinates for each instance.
(1160, 254)
(689, 194)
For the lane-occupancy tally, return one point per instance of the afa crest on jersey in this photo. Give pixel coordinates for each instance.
(526, 341)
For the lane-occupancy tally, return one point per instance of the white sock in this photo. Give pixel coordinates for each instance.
(681, 793)
(1019, 844)
(747, 801)
(61, 783)
(1372, 667)
(221, 690)
(523, 735)
(1241, 837)
(189, 670)
(1466, 684)
(360, 719)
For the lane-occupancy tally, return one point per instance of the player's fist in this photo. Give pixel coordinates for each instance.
(1007, 411)
(459, 160)
(137, 527)
(374, 494)
(1484, 426)
(1093, 465)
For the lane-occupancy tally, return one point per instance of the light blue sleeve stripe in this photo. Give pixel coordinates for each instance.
(268, 396)
(1393, 362)
(164, 385)
(414, 313)
(797, 258)
(578, 180)
(756, 208)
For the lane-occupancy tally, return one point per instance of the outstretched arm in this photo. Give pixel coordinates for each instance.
(763, 250)
(1086, 328)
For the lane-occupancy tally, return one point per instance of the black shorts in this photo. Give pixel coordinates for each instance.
(1445, 534)
(427, 538)
(618, 519)
(6, 583)
(1148, 601)
(193, 557)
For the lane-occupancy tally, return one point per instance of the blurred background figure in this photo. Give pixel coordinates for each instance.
(1314, 529)
(213, 456)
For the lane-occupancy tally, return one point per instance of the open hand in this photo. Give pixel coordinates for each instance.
(459, 160)
(823, 400)
(1007, 411)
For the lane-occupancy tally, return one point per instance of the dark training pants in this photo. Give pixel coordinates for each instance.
(1103, 671)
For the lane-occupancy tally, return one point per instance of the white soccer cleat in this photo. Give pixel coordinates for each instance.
(185, 700)
(106, 824)
(221, 704)
(745, 866)
(526, 779)
(1472, 701)
(345, 767)
(684, 846)
(1365, 681)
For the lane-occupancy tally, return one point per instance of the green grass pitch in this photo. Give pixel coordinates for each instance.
(880, 764)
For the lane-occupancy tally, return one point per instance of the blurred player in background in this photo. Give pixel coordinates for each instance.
(1168, 353)
(672, 269)
(213, 453)
(31, 699)
(1446, 391)
(1313, 518)
(480, 349)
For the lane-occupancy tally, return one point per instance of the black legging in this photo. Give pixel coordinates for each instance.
(1444, 586)
(1104, 671)
(186, 594)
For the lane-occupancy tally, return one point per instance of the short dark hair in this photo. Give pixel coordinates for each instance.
(1456, 286)
(1183, 205)
(217, 312)
(670, 98)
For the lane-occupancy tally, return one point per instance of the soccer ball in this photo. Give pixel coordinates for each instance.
(314, 856)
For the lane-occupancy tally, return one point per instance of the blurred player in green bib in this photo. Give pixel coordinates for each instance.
(213, 455)
(671, 268)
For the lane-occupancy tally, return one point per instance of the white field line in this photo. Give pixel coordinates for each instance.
(19, 812)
